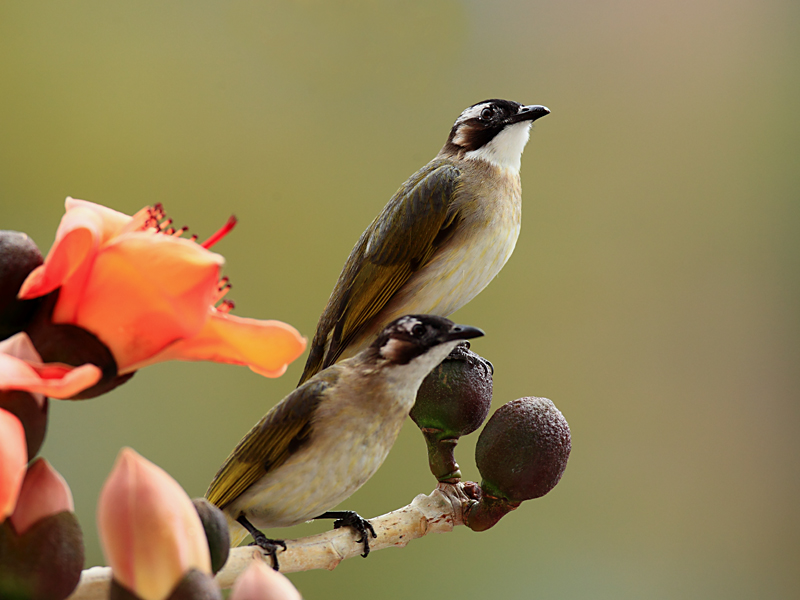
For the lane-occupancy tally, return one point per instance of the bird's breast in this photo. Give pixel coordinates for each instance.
(350, 440)
(483, 241)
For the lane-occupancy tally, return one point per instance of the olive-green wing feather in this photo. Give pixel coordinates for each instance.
(400, 241)
(274, 438)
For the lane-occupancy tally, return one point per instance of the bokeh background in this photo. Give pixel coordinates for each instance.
(653, 296)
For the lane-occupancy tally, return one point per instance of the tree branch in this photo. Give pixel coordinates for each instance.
(439, 512)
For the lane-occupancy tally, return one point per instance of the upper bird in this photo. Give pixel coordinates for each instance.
(439, 241)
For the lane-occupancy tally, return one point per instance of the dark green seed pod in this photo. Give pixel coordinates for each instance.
(33, 417)
(18, 257)
(523, 450)
(195, 585)
(45, 562)
(216, 527)
(452, 401)
(455, 397)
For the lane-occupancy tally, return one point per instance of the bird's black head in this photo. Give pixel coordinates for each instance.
(411, 336)
(479, 124)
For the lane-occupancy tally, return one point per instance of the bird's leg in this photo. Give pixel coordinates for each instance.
(268, 545)
(351, 518)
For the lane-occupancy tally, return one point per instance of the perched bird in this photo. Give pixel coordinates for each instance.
(439, 241)
(325, 439)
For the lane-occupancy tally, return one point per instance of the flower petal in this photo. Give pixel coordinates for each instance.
(21, 346)
(55, 380)
(146, 291)
(150, 530)
(111, 222)
(267, 347)
(77, 239)
(260, 582)
(44, 492)
(13, 458)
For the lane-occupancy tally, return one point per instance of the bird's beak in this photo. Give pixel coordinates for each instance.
(529, 113)
(463, 332)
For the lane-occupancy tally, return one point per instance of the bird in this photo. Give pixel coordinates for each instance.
(440, 239)
(324, 440)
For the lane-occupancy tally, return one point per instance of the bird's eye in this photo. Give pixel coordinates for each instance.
(418, 330)
(486, 114)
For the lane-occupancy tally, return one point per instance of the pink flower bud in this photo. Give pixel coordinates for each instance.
(13, 458)
(44, 492)
(260, 582)
(150, 531)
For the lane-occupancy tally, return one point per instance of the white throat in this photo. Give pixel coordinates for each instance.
(505, 149)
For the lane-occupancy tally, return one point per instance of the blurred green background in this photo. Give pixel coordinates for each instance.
(654, 294)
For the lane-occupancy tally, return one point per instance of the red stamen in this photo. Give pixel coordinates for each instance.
(223, 288)
(225, 306)
(221, 233)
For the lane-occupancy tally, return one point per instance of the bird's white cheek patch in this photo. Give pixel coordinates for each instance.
(505, 150)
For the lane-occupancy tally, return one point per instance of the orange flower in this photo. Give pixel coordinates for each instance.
(13, 457)
(150, 531)
(44, 492)
(149, 295)
(21, 368)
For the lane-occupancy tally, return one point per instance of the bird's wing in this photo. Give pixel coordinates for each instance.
(401, 240)
(274, 439)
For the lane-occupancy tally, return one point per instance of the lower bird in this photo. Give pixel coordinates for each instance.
(325, 439)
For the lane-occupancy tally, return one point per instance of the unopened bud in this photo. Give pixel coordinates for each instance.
(45, 562)
(523, 450)
(218, 535)
(453, 400)
(18, 257)
(521, 454)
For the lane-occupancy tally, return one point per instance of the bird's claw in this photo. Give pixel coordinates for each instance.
(269, 546)
(350, 518)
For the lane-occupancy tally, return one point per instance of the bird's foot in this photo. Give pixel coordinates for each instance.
(268, 545)
(350, 518)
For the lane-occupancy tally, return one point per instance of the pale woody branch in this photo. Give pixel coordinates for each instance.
(439, 512)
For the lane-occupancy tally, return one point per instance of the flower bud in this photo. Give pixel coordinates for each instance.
(523, 450)
(521, 454)
(13, 458)
(41, 544)
(18, 257)
(195, 585)
(453, 400)
(218, 535)
(44, 492)
(260, 582)
(150, 531)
